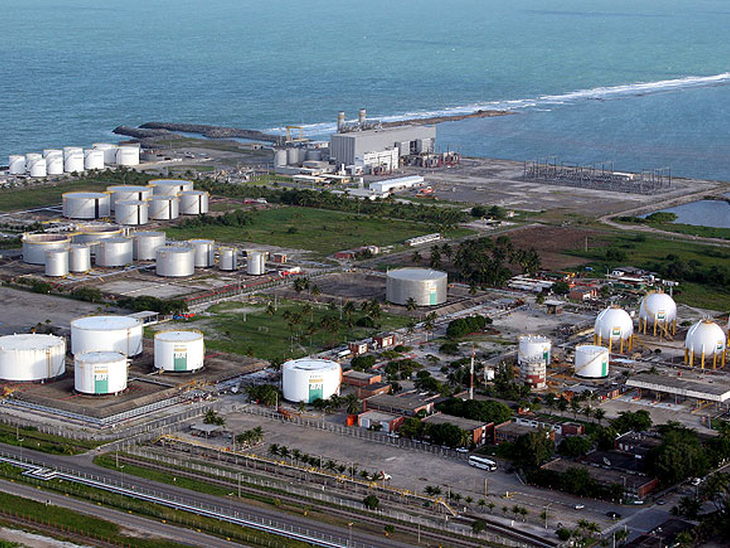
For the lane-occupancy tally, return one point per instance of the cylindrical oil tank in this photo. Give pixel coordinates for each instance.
(228, 258)
(255, 263)
(54, 162)
(171, 187)
(306, 379)
(591, 361)
(280, 157)
(57, 263)
(100, 373)
(193, 202)
(121, 334)
(164, 208)
(658, 312)
(93, 158)
(131, 212)
(109, 150)
(127, 155)
(36, 245)
(705, 344)
(123, 193)
(36, 165)
(32, 358)
(204, 252)
(292, 156)
(614, 328)
(175, 261)
(113, 252)
(73, 159)
(179, 351)
(425, 286)
(146, 244)
(79, 258)
(533, 357)
(93, 234)
(313, 154)
(85, 205)
(17, 164)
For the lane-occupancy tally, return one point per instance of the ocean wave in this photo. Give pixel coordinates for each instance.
(542, 102)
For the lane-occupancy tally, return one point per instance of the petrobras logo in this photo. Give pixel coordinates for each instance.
(661, 315)
(101, 376)
(616, 332)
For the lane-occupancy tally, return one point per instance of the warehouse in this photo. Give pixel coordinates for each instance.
(348, 148)
(681, 388)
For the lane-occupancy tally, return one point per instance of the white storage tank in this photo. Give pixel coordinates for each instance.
(36, 165)
(85, 205)
(73, 159)
(615, 329)
(194, 202)
(115, 252)
(131, 212)
(591, 361)
(658, 312)
(204, 252)
(57, 263)
(127, 155)
(533, 357)
(280, 157)
(255, 263)
(92, 235)
(17, 164)
(171, 187)
(36, 245)
(292, 156)
(164, 208)
(109, 150)
(121, 334)
(228, 259)
(54, 162)
(123, 193)
(705, 343)
(175, 261)
(425, 286)
(179, 351)
(79, 258)
(306, 379)
(100, 373)
(147, 243)
(32, 357)
(93, 159)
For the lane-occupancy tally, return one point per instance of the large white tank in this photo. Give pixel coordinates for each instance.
(93, 159)
(79, 258)
(54, 162)
(32, 358)
(175, 261)
(705, 343)
(36, 245)
(255, 263)
(180, 351)
(146, 244)
(228, 258)
(306, 380)
(204, 252)
(109, 150)
(121, 334)
(114, 252)
(164, 208)
(131, 212)
(57, 263)
(193, 202)
(280, 157)
(73, 159)
(533, 357)
(93, 234)
(425, 286)
(17, 164)
(591, 361)
(292, 156)
(658, 311)
(171, 187)
(36, 165)
(85, 205)
(100, 373)
(127, 155)
(615, 329)
(123, 193)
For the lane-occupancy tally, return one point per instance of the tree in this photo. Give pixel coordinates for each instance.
(679, 456)
(574, 446)
(690, 507)
(560, 288)
(411, 304)
(479, 526)
(353, 404)
(211, 417)
(371, 502)
(534, 448)
(434, 260)
(389, 530)
(599, 414)
(416, 257)
(362, 363)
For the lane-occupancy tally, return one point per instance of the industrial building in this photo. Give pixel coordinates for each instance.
(681, 388)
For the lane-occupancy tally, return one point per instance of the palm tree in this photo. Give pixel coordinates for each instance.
(270, 310)
(284, 451)
(491, 506)
(296, 455)
(599, 414)
(429, 323)
(353, 404)
(411, 304)
(274, 449)
(416, 257)
(469, 499)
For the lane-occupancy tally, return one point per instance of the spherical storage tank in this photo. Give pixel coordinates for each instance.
(54, 162)
(113, 252)
(85, 205)
(658, 311)
(614, 328)
(705, 343)
(100, 373)
(93, 159)
(591, 361)
(193, 202)
(204, 253)
(180, 351)
(127, 155)
(306, 380)
(131, 212)
(123, 193)
(164, 208)
(533, 357)
(146, 244)
(36, 245)
(121, 334)
(36, 165)
(57, 262)
(17, 164)
(425, 286)
(109, 150)
(255, 263)
(171, 187)
(228, 258)
(175, 261)
(32, 358)
(73, 159)
(79, 259)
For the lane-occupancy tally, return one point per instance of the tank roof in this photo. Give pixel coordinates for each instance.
(131, 188)
(416, 274)
(85, 194)
(148, 234)
(179, 336)
(100, 357)
(310, 364)
(29, 341)
(105, 322)
(170, 181)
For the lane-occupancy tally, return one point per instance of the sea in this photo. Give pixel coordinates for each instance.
(641, 83)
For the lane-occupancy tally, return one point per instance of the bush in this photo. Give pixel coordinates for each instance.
(662, 217)
(574, 446)
(450, 348)
(563, 533)
(371, 502)
(361, 363)
(464, 326)
(479, 410)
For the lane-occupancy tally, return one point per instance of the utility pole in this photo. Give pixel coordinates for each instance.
(471, 386)
(485, 487)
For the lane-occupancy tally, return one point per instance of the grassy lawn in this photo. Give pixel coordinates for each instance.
(45, 443)
(701, 231)
(45, 195)
(318, 230)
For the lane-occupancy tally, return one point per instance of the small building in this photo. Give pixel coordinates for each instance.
(583, 294)
(347, 255)
(383, 341)
(637, 444)
(554, 307)
(361, 378)
(425, 239)
(554, 424)
(205, 430)
(378, 420)
(280, 258)
(358, 348)
(510, 431)
(375, 389)
(481, 432)
(408, 404)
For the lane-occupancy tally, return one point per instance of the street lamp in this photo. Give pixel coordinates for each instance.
(349, 526)
(122, 470)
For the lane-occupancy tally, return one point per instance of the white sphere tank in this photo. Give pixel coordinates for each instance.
(180, 351)
(100, 373)
(171, 187)
(204, 252)
(127, 155)
(57, 263)
(146, 244)
(614, 328)
(109, 150)
(54, 162)
(115, 252)
(36, 245)
(85, 205)
(32, 358)
(79, 259)
(93, 159)
(228, 258)
(175, 261)
(123, 193)
(131, 212)
(36, 165)
(705, 342)
(17, 164)
(164, 208)
(306, 380)
(121, 334)
(73, 159)
(591, 361)
(657, 310)
(255, 263)
(194, 202)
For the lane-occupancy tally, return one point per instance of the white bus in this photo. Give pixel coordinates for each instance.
(483, 463)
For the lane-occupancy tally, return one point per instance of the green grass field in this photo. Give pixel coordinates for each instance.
(45, 443)
(40, 196)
